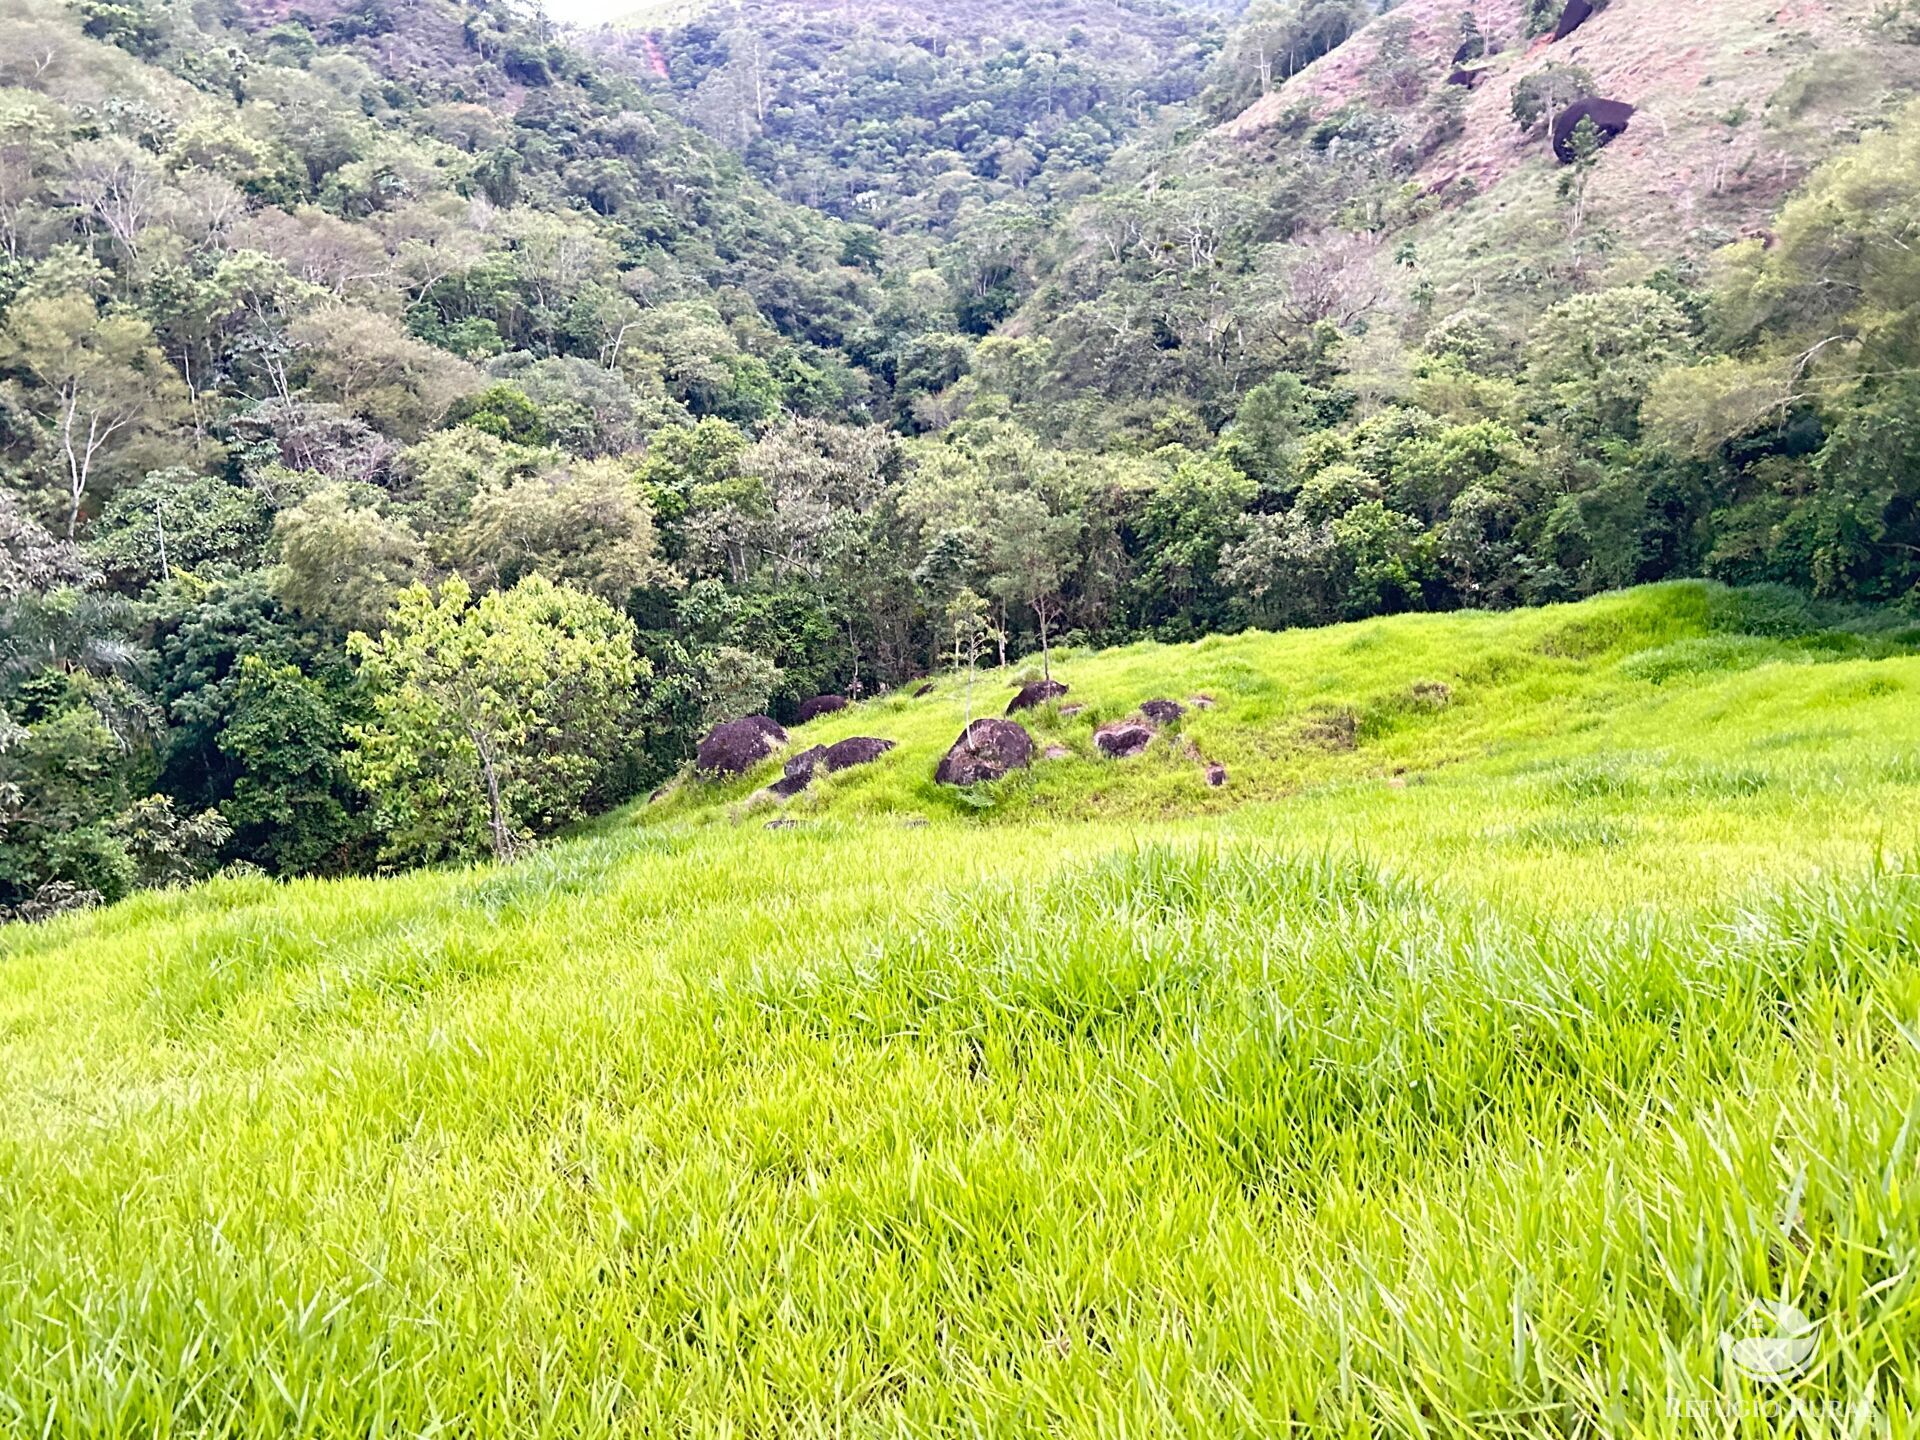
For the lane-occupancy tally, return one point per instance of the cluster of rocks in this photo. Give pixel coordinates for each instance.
(737, 746)
(1123, 739)
(827, 760)
(988, 749)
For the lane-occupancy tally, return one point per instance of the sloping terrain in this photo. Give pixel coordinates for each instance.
(903, 116)
(1736, 100)
(1477, 1069)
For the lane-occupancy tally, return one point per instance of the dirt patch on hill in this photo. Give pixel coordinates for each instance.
(1344, 75)
(1705, 152)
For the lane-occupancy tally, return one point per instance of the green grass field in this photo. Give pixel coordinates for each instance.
(1473, 1063)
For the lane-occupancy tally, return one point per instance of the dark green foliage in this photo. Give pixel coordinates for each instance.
(293, 809)
(128, 25)
(504, 412)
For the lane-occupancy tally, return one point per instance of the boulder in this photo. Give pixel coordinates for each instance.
(737, 746)
(986, 750)
(1035, 695)
(855, 750)
(1162, 712)
(1577, 13)
(1216, 775)
(821, 705)
(1123, 739)
(801, 767)
(1610, 118)
(1057, 752)
(818, 760)
(1467, 79)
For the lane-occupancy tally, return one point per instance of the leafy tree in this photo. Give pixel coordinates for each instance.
(587, 525)
(294, 809)
(169, 850)
(1473, 41)
(1595, 358)
(736, 682)
(494, 721)
(99, 383)
(1265, 430)
(1542, 95)
(341, 561)
(1190, 515)
(66, 774)
(502, 411)
(1429, 472)
(970, 629)
(1031, 551)
(176, 520)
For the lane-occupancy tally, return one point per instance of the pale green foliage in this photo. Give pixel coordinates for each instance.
(734, 683)
(1031, 549)
(341, 562)
(1696, 409)
(369, 365)
(1541, 96)
(494, 720)
(99, 383)
(587, 525)
(1595, 357)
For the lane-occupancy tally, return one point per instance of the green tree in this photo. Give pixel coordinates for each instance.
(1189, 516)
(1541, 96)
(100, 381)
(341, 562)
(587, 525)
(494, 721)
(294, 808)
(1594, 359)
(1031, 551)
(178, 521)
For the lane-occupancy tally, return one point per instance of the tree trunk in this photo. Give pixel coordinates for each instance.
(503, 846)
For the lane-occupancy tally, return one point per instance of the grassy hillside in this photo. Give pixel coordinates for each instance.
(1464, 1066)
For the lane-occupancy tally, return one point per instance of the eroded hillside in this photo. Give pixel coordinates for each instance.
(1736, 100)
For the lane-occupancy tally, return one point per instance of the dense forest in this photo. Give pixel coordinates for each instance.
(419, 423)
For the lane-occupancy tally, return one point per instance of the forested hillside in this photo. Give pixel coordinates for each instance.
(420, 422)
(912, 117)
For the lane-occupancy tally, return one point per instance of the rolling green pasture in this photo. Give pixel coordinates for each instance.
(1539, 997)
